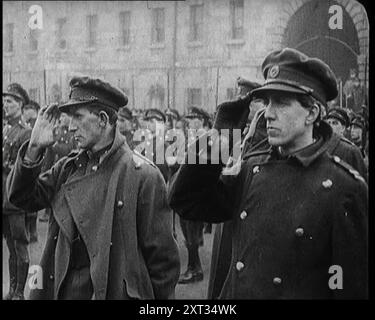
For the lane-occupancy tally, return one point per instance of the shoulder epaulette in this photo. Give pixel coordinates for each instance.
(348, 168)
(140, 159)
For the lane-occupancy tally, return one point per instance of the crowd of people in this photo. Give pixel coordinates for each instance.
(98, 173)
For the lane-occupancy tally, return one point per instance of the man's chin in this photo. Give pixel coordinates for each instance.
(274, 142)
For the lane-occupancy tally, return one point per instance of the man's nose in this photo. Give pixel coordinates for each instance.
(72, 125)
(270, 111)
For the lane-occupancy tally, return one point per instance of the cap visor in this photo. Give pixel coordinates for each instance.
(276, 87)
(12, 95)
(72, 103)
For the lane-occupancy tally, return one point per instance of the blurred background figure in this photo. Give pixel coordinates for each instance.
(15, 229)
(355, 95)
(155, 141)
(197, 121)
(339, 120)
(30, 113)
(357, 132)
(125, 124)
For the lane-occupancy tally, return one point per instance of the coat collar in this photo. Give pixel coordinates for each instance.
(118, 142)
(313, 151)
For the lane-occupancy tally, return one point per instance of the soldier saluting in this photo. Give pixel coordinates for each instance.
(110, 234)
(296, 210)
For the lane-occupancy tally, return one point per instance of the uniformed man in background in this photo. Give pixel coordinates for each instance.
(197, 119)
(30, 112)
(357, 127)
(155, 145)
(15, 231)
(299, 214)
(29, 115)
(125, 120)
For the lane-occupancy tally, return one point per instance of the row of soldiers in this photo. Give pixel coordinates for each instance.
(86, 117)
(350, 128)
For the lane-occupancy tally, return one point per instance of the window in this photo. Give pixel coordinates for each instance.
(196, 22)
(33, 40)
(124, 28)
(157, 25)
(34, 94)
(237, 18)
(60, 33)
(194, 97)
(9, 31)
(92, 26)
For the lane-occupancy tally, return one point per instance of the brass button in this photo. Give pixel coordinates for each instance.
(243, 215)
(51, 276)
(239, 266)
(336, 159)
(299, 232)
(120, 204)
(94, 168)
(327, 183)
(277, 281)
(256, 169)
(55, 238)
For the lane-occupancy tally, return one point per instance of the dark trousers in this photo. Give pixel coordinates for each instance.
(193, 234)
(16, 236)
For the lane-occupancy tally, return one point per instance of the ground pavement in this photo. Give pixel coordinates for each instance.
(196, 290)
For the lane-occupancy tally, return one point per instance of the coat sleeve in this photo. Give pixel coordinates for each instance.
(200, 192)
(350, 244)
(157, 243)
(27, 188)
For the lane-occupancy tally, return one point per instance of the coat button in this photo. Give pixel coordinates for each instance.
(336, 159)
(111, 244)
(239, 266)
(120, 204)
(51, 276)
(277, 281)
(94, 168)
(256, 169)
(55, 238)
(299, 232)
(243, 215)
(327, 183)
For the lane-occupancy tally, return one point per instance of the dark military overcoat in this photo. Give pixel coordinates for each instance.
(293, 219)
(122, 214)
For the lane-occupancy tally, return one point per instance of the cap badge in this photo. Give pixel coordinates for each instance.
(274, 71)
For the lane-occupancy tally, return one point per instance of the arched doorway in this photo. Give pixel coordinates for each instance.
(309, 32)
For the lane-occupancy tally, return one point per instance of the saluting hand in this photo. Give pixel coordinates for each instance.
(42, 134)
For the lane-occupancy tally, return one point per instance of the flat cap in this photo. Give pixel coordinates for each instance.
(292, 71)
(125, 113)
(17, 91)
(195, 112)
(85, 91)
(340, 115)
(154, 114)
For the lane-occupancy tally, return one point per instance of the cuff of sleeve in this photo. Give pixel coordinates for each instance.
(25, 161)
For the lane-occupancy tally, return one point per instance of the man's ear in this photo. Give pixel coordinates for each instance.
(313, 114)
(104, 118)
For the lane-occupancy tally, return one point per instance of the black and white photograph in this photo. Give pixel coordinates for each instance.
(211, 150)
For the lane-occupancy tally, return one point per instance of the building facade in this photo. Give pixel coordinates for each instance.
(174, 53)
